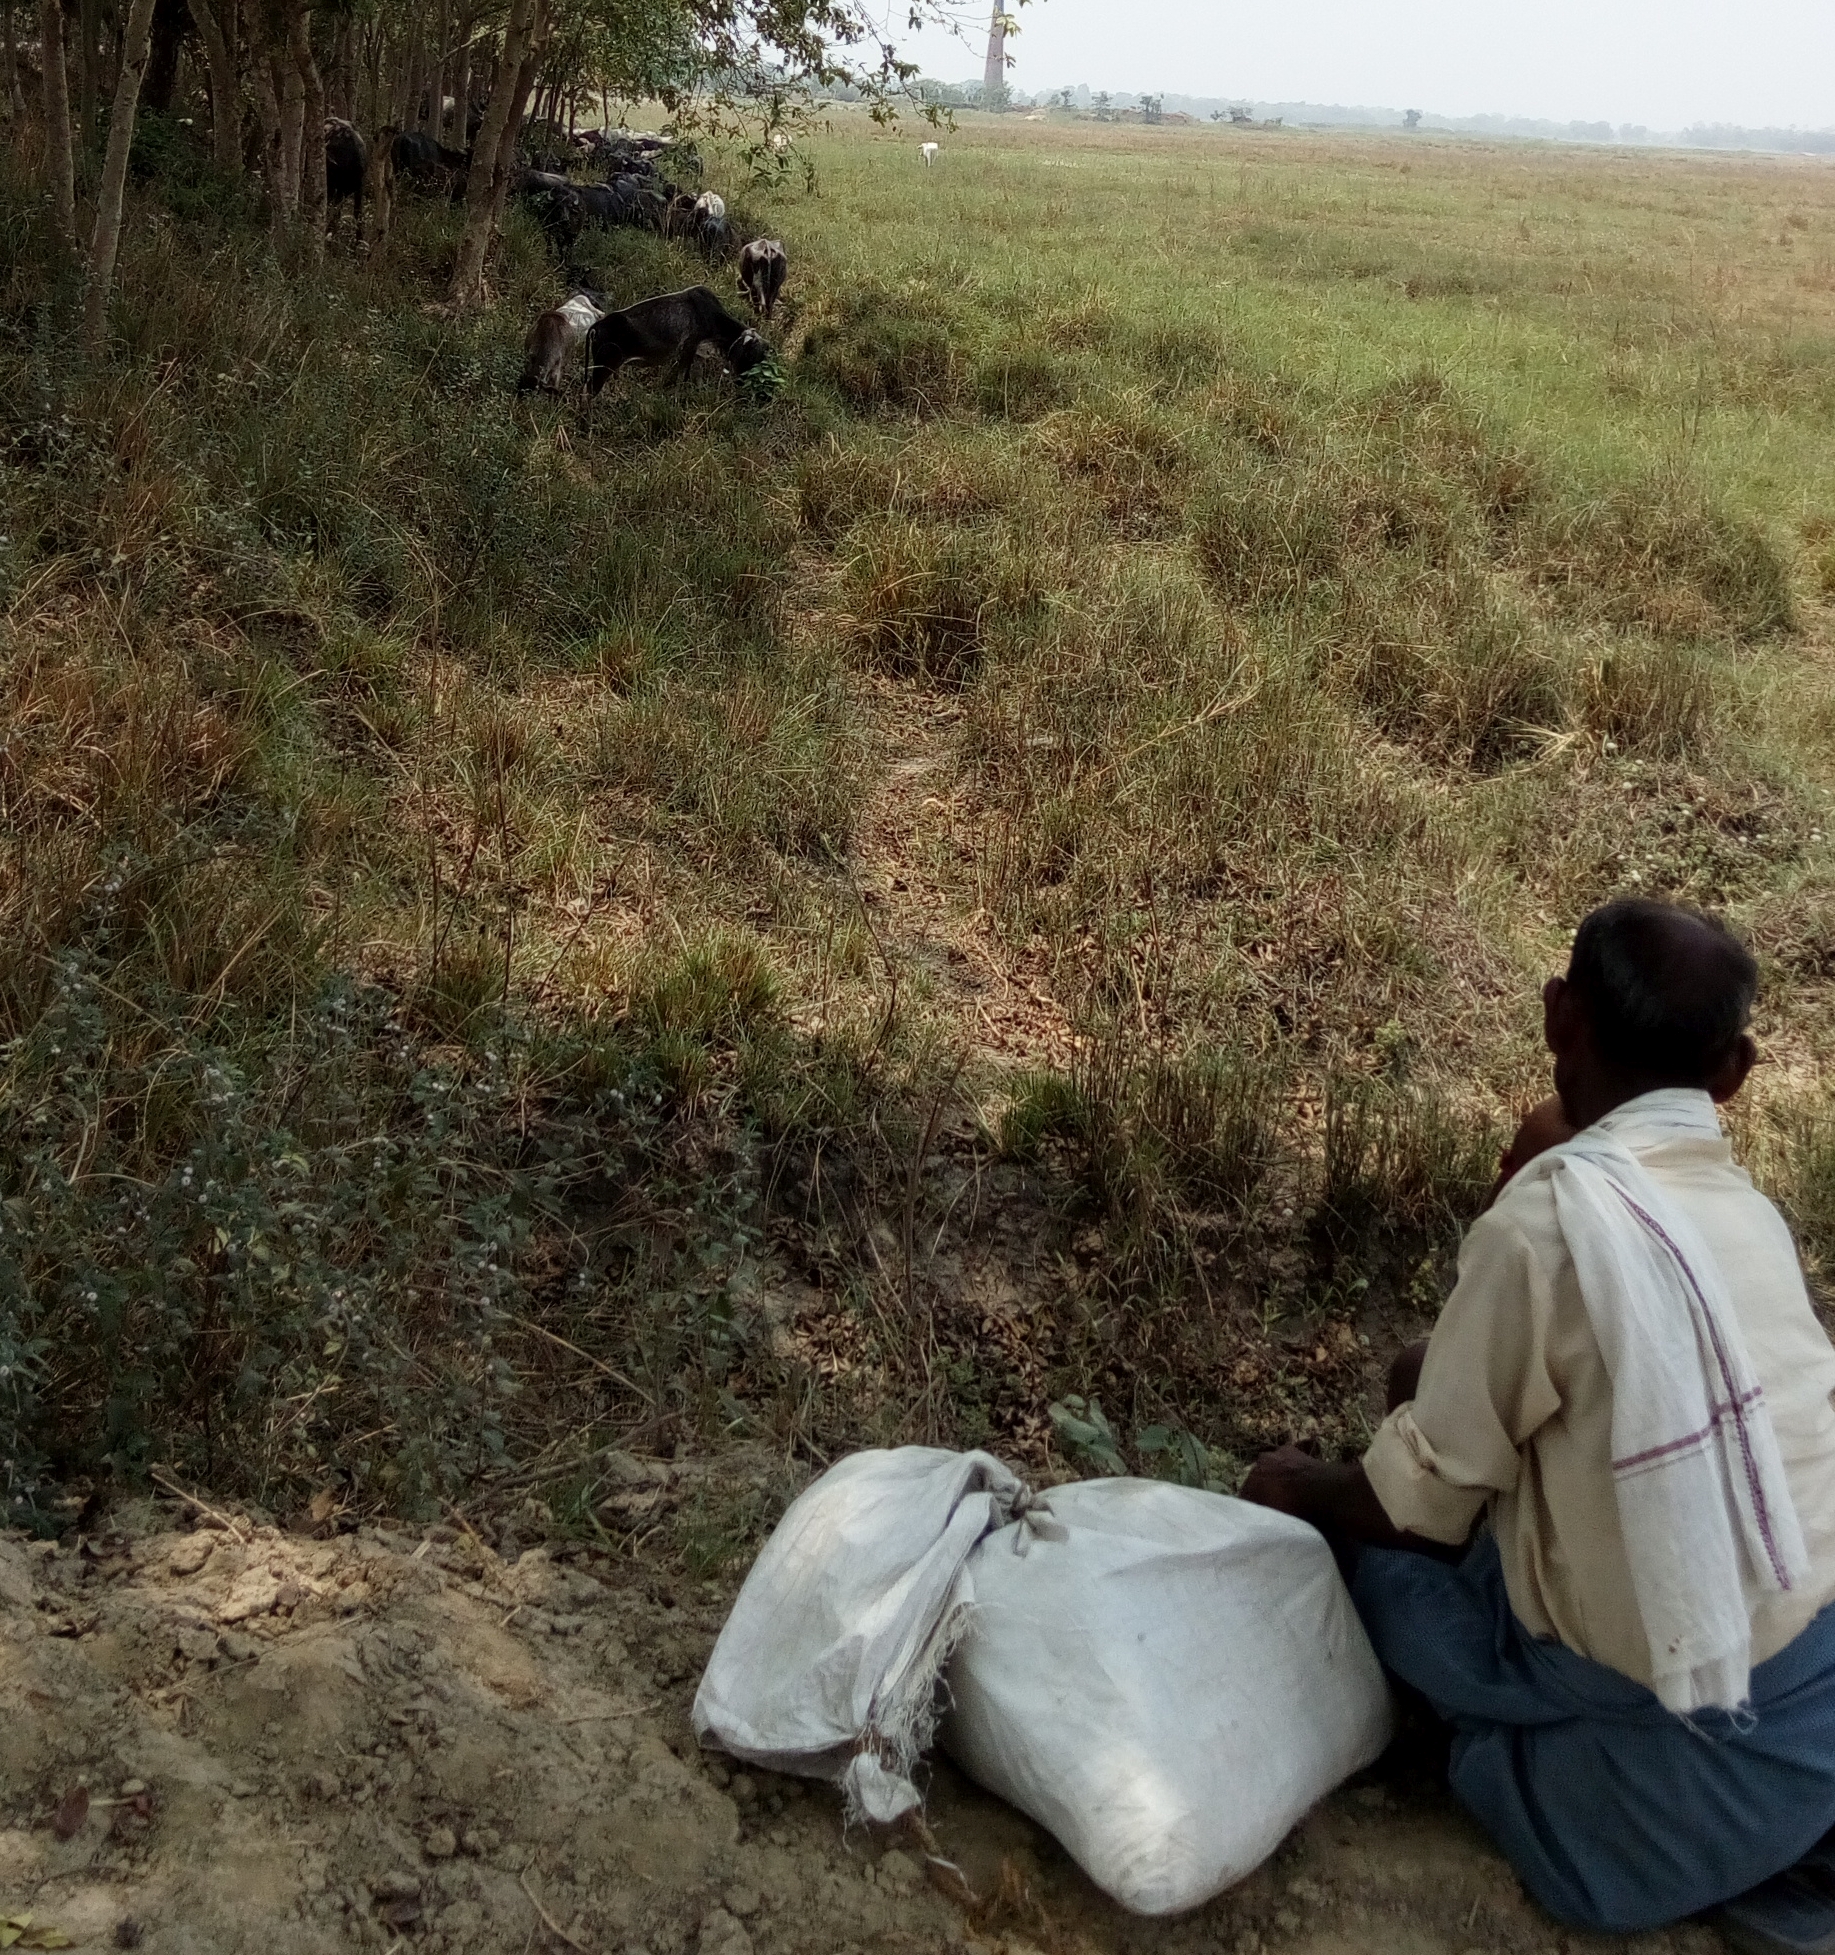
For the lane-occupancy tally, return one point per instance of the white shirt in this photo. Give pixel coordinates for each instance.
(1514, 1410)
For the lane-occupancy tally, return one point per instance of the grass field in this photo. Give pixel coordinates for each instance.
(1018, 868)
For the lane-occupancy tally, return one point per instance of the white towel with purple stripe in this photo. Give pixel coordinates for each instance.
(1706, 1511)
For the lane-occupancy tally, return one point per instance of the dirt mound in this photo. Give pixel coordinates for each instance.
(237, 1738)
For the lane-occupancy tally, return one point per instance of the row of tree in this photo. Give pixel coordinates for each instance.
(469, 72)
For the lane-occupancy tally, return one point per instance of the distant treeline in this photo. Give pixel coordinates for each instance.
(1082, 100)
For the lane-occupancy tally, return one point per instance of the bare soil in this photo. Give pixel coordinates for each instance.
(236, 1736)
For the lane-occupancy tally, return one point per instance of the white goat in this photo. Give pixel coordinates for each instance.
(553, 336)
(929, 152)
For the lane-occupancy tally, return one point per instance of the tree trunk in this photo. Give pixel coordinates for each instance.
(374, 109)
(414, 81)
(341, 94)
(161, 82)
(512, 129)
(88, 34)
(461, 88)
(290, 93)
(267, 110)
(312, 191)
(379, 190)
(439, 71)
(15, 97)
(106, 241)
(225, 95)
(500, 121)
(60, 157)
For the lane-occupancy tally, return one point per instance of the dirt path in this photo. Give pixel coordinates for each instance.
(243, 1739)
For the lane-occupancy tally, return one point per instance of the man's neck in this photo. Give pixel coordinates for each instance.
(1593, 1099)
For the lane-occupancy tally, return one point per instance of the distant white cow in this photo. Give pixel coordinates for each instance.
(929, 153)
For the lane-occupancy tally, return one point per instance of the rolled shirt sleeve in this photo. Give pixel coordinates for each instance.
(1484, 1389)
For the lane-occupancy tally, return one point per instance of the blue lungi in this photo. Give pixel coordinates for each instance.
(1618, 1814)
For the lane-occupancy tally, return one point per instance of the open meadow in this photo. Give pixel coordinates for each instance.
(561, 966)
(1016, 868)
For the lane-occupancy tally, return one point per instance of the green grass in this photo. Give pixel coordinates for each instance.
(1308, 573)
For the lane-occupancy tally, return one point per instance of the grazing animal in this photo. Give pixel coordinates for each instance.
(625, 155)
(553, 336)
(929, 152)
(426, 163)
(708, 224)
(678, 214)
(626, 200)
(666, 332)
(554, 203)
(346, 158)
(762, 270)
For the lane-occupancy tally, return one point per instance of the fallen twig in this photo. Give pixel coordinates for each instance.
(598, 1364)
(203, 1506)
(548, 1920)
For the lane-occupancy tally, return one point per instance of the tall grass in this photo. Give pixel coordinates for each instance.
(442, 894)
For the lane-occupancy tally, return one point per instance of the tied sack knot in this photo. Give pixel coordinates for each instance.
(1032, 1520)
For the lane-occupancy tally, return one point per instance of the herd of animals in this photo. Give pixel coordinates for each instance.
(664, 332)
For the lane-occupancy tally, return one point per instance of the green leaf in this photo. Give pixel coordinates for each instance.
(1085, 1431)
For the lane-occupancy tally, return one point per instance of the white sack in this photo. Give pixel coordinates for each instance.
(828, 1664)
(1167, 1688)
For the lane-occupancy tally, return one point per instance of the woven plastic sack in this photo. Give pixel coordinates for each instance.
(828, 1664)
(1167, 1686)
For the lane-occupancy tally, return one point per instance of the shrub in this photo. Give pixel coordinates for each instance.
(1661, 556)
(879, 349)
(923, 599)
(1019, 383)
(1648, 697)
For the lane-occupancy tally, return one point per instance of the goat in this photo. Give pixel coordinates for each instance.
(929, 152)
(554, 203)
(428, 163)
(666, 332)
(626, 200)
(346, 159)
(762, 270)
(553, 336)
(708, 223)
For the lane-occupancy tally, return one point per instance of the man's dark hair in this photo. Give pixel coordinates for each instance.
(1667, 989)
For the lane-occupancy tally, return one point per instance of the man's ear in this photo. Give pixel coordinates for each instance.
(1731, 1074)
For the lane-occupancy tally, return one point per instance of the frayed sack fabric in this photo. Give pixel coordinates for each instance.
(1165, 1679)
(828, 1665)
(1167, 1688)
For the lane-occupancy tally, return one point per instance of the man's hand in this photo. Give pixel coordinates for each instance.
(1338, 1500)
(1282, 1480)
(1545, 1125)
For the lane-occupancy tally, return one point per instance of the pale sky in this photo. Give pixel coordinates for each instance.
(1663, 63)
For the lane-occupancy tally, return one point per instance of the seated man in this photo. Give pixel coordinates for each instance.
(1637, 1656)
